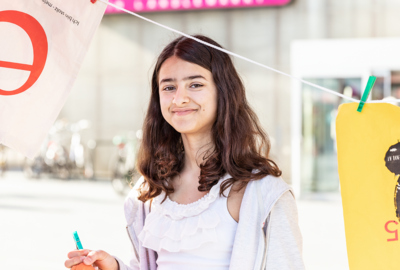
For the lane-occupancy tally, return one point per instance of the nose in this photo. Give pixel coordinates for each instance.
(181, 96)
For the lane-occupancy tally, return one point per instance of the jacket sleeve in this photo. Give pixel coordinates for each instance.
(130, 208)
(284, 240)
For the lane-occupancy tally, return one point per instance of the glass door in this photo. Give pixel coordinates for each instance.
(318, 147)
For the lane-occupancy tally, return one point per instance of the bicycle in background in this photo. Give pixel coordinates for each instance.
(62, 154)
(124, 174)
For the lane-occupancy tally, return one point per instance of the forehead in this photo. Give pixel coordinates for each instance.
(176, 68)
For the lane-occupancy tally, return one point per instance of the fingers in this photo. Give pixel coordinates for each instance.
(75, 260)
(89, 257)
(77, 253)
(76, 257)
(95, 255)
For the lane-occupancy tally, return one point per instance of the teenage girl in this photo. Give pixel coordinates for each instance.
(209, 196)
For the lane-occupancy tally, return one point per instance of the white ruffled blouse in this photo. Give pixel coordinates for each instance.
(198, 235)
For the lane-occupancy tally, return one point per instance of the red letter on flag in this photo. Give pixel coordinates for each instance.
(39, 43)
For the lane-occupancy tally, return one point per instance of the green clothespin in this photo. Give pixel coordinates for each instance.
(370, 84)
(78, 243)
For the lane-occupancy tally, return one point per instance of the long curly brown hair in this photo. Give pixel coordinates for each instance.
(240, 145)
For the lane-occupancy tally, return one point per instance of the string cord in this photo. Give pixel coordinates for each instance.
(244, 58)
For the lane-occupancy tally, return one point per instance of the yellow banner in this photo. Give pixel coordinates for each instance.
(369, 168)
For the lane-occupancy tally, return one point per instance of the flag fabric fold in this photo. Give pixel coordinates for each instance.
(42, 46)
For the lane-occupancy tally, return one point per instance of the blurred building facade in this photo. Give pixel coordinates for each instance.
(113, 86)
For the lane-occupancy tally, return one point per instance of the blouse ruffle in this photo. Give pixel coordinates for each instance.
(174, 227)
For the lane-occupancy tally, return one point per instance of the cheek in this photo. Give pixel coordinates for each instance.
(214, 104)
(210, 108)
(164, 104)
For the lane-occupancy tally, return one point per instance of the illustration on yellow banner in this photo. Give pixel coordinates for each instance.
(392, 160)
(368, 146)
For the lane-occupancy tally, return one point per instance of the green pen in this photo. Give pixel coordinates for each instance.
(78, 243)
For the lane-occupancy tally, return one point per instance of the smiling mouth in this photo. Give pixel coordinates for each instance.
(183, 112)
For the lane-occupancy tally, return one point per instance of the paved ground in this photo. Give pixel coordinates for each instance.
(321, 223)
(37, 218)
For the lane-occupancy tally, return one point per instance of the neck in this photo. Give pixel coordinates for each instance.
(195, 147)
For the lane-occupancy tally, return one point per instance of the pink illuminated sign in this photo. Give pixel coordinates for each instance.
(169, 5)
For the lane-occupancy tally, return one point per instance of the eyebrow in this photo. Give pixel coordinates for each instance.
(185, 79)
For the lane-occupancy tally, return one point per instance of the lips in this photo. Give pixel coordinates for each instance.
(183, 111)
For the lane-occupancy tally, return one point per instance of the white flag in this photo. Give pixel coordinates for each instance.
(42, 46)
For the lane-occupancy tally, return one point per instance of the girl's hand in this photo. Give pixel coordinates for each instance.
(99, 258)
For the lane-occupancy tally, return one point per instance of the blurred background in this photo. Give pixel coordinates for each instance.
(78, 180)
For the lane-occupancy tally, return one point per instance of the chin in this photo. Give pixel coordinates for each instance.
(185, 130)
(183, 126)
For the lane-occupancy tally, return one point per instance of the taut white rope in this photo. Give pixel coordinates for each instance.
(242, 57)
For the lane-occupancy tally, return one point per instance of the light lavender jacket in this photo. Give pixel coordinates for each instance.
(267, 236)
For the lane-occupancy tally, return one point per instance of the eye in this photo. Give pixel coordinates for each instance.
(168, 88)
(196, 85)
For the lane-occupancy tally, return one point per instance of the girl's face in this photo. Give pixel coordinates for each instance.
(188, 96)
